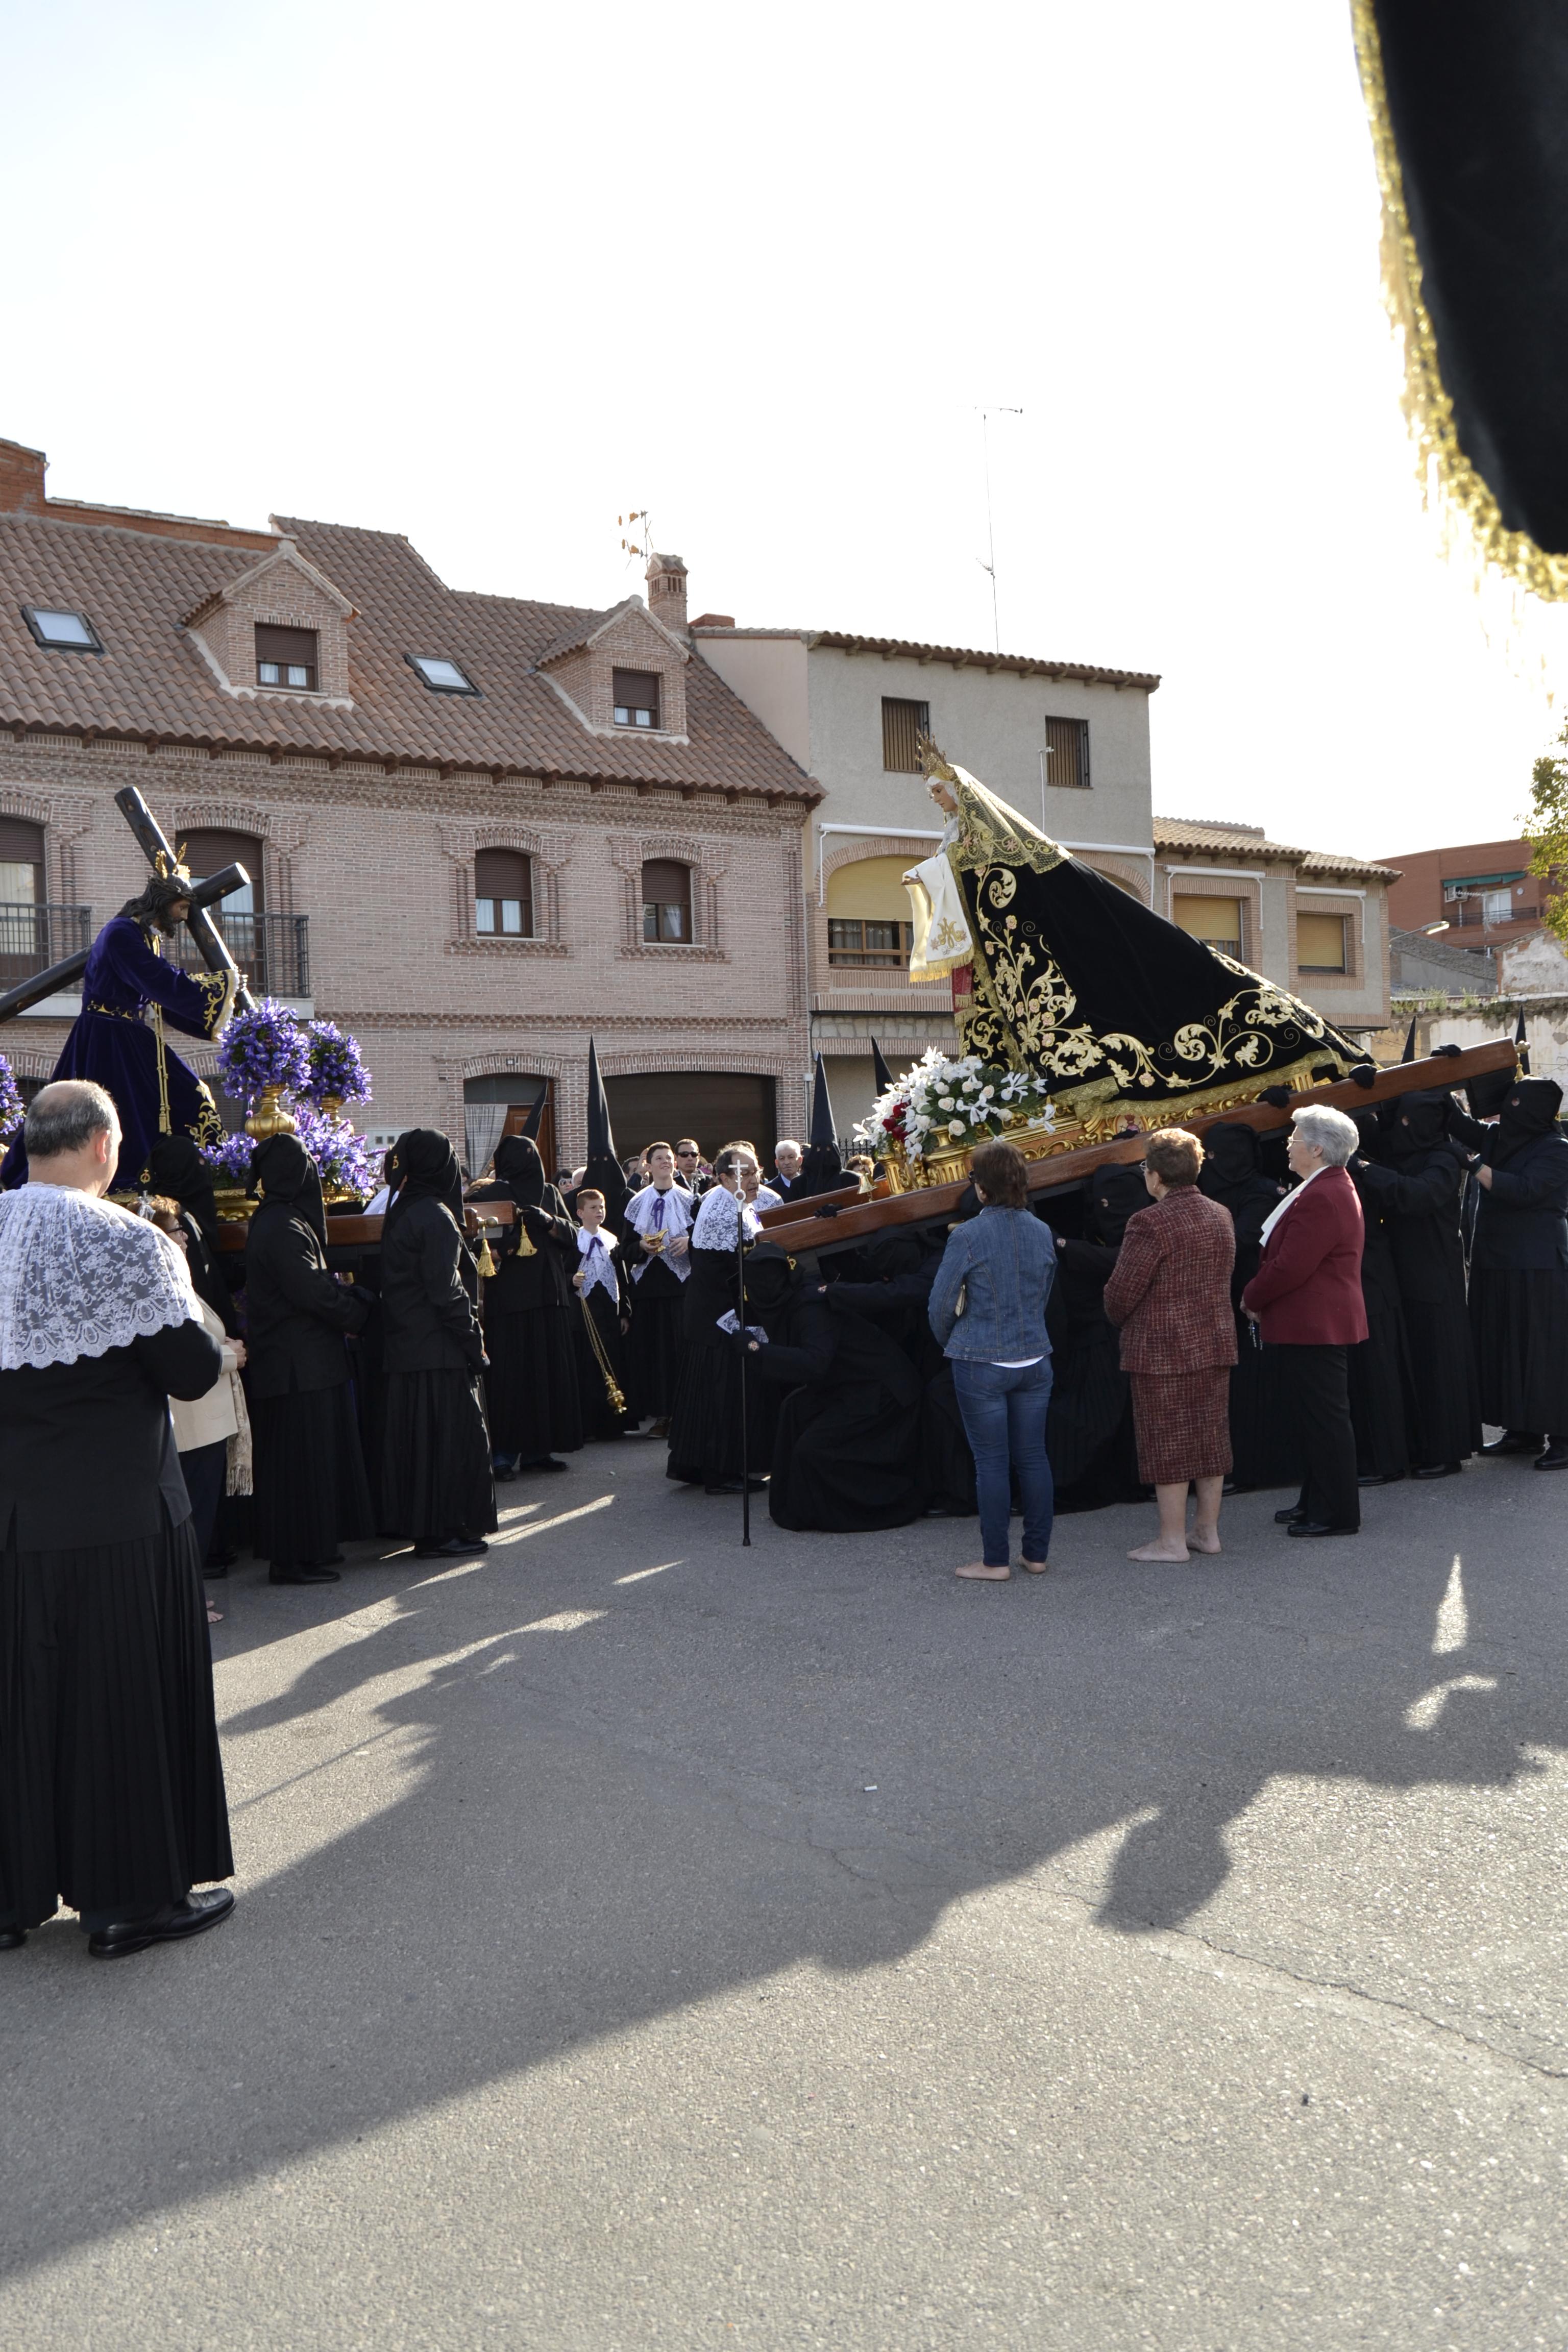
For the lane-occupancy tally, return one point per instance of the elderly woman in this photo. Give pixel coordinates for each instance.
(1170, 1294)
(1306, 1298)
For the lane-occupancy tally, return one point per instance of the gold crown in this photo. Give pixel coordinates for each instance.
(931, 762)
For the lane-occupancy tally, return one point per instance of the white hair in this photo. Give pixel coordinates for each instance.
(1329, 1132)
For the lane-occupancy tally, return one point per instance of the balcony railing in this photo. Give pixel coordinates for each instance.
(33, 936)
(273, 951)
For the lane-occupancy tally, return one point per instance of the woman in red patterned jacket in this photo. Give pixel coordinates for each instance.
(1171, 1296)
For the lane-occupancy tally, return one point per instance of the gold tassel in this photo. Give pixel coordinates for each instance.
(612, 1389)
(1450, 484)
(485, 1263)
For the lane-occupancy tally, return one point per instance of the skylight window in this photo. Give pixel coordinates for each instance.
(58, 625)
(441, 676)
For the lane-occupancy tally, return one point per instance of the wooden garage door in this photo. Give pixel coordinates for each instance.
(715, 1106)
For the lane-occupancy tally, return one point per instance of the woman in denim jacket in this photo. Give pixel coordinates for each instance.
(988, 1309)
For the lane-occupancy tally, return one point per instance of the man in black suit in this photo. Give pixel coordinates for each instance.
(787, 1179)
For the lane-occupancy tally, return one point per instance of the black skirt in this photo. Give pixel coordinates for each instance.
(1520, 1320)
(946, 1464)
(1263, 1447)
(112, 1789)
(531, 1389)
(705, 1428)
(1443, 1374)
(435, 1473)
(657, 1340)
(310, 1490)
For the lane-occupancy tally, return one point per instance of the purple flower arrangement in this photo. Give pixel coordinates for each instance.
(345, 1161)
(264, 1047)
(10, 1100)
(336, 1067)
(230, 1161)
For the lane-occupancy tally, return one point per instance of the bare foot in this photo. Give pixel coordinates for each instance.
(215, 1616)
(1157, 1550)
(1035, 1566)
(1202, 1539)
(977, 1568)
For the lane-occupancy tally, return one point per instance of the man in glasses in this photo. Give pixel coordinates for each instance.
(690, 1171)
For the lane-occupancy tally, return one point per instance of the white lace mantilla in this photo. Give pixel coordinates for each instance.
(79, 1277)
(716, 1218)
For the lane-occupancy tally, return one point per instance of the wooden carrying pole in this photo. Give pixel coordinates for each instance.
(1064, 1170)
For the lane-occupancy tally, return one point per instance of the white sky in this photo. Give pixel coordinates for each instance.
(490, 275)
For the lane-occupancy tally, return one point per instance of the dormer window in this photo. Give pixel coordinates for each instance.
(57, 626)
(441, 676)
(637, 697)
(286, 657)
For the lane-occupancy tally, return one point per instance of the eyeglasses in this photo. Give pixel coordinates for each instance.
(686, 1155)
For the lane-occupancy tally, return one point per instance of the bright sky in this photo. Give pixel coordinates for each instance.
(492, 274)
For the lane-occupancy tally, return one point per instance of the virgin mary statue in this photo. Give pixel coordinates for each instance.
(1057, 971)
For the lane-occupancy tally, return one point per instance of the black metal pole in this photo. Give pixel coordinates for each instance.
(745, 1351)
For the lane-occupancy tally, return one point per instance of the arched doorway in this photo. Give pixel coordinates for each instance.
(499, 1104)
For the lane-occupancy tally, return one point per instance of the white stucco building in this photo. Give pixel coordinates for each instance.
(1066, 743)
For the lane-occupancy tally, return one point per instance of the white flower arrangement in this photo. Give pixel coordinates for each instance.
(942, 1102)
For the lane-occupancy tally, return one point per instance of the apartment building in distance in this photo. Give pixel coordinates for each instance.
(481, 829)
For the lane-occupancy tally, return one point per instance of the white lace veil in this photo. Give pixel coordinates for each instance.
(79, 1277)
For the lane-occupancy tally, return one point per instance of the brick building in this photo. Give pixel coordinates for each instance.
(1484, 891)
(481, 828)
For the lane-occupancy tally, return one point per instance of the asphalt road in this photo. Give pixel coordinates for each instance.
(644, 1942)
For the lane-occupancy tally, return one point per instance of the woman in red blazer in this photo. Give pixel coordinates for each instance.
(1171, 1295)
(1306, 1299)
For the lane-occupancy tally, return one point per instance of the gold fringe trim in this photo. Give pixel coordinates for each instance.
(1450, 484)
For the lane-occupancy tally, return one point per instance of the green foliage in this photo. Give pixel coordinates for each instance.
(1546, 830)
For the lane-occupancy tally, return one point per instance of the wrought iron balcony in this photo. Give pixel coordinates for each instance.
(273, 951)
(33, 936)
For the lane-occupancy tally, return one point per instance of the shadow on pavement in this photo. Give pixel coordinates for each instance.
(483, 1814)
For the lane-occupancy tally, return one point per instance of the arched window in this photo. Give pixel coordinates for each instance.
(869, 924)
(208, 851)
(503, 893)
(666, 900)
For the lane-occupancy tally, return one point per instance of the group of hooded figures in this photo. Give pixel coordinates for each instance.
(638, 1307)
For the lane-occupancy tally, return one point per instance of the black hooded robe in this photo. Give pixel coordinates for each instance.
(436, 1478)
(901, 1271)
(1089, 1436)
(1416, 1183)
(844, 1458)
(1263, 1449)
(311, 1489)
(535, 1409)
(1377, 1368)
(1518, 1263)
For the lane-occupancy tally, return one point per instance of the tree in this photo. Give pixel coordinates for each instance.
(1546, 830)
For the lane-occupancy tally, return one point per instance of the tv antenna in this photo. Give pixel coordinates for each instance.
(638, 546)
(989, 568)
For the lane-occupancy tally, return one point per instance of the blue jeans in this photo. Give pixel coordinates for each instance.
(1004, 1420)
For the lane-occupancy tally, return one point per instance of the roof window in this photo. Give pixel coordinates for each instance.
(57, 625)
(286, 657)
(441, 676)
(635, 698)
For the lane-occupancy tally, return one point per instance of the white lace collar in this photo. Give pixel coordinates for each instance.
(78, 1276)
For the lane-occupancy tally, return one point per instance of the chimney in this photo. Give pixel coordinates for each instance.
(22, 481)
(667, 591)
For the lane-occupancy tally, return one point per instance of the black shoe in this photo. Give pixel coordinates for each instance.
(1438, 1470)
(214, 1569)
(1555, 1456)
(1317, 1528)
(504, 1473)
(1288, 1518)
(199, 1911)
(454, 1548)
(1514, 1440)
(1377, 1478)
(732, 1487)
(473, 1543)
(12, 1939)
(545, 1462)
(304, 1575)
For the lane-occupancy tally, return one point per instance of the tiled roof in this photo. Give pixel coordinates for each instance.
(1185, 832)
(151, 682)
(959, 656)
